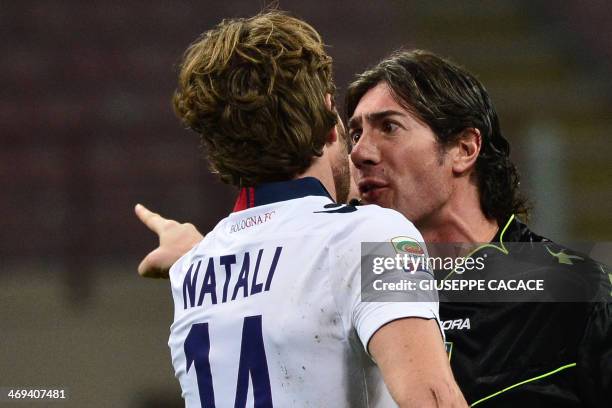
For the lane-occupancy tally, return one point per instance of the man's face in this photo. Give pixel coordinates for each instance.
(398, 162)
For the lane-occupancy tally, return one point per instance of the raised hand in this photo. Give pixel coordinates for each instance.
(175, 239)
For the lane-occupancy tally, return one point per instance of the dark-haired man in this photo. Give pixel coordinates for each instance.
(268, 308)
(427, 143)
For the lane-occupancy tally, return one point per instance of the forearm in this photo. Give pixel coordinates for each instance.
(442, 393)
(414, 364)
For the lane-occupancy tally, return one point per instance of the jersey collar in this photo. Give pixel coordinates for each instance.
(516, 231)
(268, 193)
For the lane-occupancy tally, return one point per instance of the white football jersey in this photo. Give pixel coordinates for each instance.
(268, 308)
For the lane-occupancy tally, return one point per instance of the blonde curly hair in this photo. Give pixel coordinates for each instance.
(254, 89)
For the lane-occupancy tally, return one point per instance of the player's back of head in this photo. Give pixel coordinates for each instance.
(255, 89)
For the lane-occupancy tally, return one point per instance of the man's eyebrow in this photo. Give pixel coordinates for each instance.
(377, 116)
(355, 121)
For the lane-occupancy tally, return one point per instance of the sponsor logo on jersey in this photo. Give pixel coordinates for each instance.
(564, 258)
(457, 324)
(251, 221)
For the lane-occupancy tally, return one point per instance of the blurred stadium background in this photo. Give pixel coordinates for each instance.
(87, 131)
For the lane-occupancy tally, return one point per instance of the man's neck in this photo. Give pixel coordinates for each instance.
(460, 220)
(321, 170)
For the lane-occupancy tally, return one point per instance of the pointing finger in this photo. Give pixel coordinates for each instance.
(152, 220)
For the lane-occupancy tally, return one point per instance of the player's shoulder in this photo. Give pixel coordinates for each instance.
(366, 222)
(373, 215)
(573, 269)
(561, 257)
(584, 277)
(362, 212)
(576, 262)
(545, 252)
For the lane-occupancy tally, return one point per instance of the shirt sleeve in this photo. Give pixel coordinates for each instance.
(370, 293)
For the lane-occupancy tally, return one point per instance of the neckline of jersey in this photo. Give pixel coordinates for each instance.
(269, 193)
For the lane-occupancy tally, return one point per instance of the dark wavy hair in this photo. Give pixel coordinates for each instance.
(254, 89)
(449, 99)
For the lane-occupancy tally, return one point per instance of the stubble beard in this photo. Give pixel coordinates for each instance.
(341, 171)
(342, 178)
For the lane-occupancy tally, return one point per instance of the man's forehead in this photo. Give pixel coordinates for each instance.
(375, 101)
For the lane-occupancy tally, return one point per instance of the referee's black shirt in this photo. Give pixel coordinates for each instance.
(527, 354)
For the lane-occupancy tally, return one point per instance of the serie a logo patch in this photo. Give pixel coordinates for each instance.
(413, 254)
(407, 245)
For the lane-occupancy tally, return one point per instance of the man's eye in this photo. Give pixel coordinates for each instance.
(355, 135)
(389, 127)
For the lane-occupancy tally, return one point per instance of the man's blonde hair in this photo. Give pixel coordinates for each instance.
(254, 89)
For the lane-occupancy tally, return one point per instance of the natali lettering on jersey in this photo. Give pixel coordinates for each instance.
(249, 281)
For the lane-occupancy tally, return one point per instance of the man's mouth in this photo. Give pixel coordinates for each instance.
(370, 189)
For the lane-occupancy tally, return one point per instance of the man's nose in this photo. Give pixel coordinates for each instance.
(365, 152)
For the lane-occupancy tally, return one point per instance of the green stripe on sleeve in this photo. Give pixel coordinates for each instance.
(524, 382)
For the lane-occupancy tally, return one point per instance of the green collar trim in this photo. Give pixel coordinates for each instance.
(502, 248)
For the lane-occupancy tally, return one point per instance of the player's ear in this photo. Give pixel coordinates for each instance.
(466, 150)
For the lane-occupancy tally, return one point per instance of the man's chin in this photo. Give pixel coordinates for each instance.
(380, 201)
(378, 196)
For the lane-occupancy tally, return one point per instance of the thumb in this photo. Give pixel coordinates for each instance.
(155, 265)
